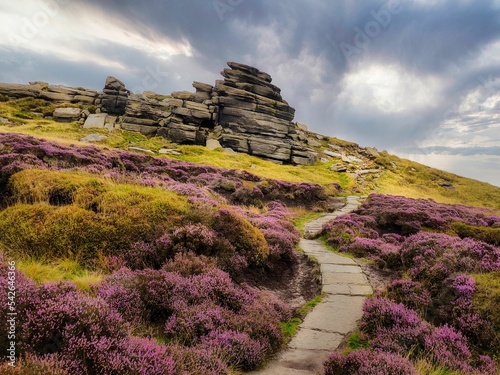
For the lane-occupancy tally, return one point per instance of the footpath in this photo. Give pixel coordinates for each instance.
(344, 287)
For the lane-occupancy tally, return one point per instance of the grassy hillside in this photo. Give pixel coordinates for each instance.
(399, 177)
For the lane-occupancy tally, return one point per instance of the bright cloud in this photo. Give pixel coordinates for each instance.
(72, 31)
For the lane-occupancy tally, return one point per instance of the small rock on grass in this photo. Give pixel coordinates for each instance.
(93, 138)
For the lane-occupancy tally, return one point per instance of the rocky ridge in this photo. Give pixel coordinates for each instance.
(243, 112)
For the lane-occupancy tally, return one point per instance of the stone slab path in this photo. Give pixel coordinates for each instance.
(345, 288)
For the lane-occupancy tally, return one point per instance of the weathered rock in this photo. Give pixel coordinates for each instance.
(95, 121)
(313, 143)
(350, 159)
(141, 150)
(114, 97)
(3, 120)
(338, 168)
(67, 114)
(185, 95)
(93, 138)
(332, 154)
(302, 127)
(144, 129)
(212, 144)
(269, 148)
(372, 151)
(235, 142)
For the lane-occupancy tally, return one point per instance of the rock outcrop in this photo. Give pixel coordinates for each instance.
(42, 90)
(244, 112)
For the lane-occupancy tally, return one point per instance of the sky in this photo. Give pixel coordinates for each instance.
(418, 78)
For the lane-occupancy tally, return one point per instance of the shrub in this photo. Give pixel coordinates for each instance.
(411, 293)
(107, 222)
(392, 327)
(148, 357)
(190, 264)
(344, 229)
(368, 362)
(237, 348)
(247, 240)
(449, 348)
(486, 300)
(486, 234)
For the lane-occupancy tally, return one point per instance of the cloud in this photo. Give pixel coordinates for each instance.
(395, 74)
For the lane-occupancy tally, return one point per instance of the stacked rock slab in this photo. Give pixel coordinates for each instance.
(253, 114)
(114, 97)
(193, 115)
(55, 93)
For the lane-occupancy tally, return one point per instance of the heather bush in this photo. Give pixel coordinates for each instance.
(200, 239)
(486, 300)
(385, 255)
(188, 325)
(237, 348)
(435, 256)
(148, 357)
(410, 293)
(449, 348)
(368, 362)
(392, 327)
(115, 219)
(454, 306)
(190, 264)
(345, 228)
(406, 216)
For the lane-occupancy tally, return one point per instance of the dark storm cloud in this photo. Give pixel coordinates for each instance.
(311, 48)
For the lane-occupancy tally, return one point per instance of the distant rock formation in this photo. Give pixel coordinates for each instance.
(244, 112)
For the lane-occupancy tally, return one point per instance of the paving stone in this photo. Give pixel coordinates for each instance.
(312, 339)
(336, 289)
(344, 278)
(342, 268)
(336, 314)
(361, 290)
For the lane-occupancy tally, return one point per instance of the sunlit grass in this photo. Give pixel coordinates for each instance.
(63, 269)
(408, 178)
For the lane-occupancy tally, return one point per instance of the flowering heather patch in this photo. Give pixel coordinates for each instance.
(237, 348)
(212, 322)
(391, 326)
(368, 362)
(345, 228)
(407, 216)
(449, 348)
(410, 293)
(25, 152)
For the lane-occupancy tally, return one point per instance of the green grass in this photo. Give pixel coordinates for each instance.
(308, 306)
(426, 367)
(303, 217)
(291, 327)
(58, 215)
(356, 342)
(414, 180)
(62, 269)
